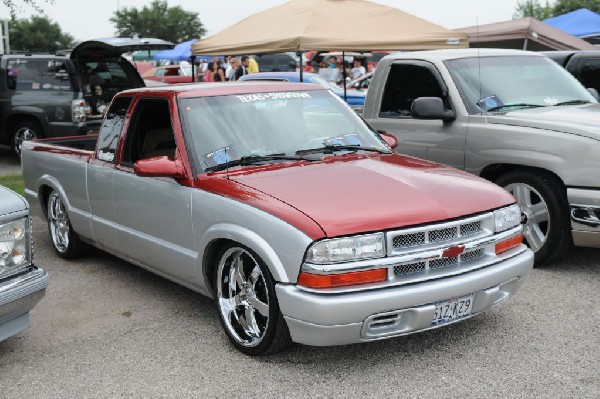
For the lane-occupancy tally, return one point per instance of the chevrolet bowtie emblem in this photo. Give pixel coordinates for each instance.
(453, 252)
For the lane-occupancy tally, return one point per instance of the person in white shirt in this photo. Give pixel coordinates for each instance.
(358, 71)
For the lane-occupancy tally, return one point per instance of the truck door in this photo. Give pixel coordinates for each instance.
(100, 175)
(439, 141)
(154, 213)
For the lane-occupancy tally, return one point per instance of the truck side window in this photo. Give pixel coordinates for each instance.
(405, 83)
(150, 133)
(110, 132)
(590, 74)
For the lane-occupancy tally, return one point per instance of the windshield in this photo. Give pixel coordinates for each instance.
(226, 128)
(512, 82)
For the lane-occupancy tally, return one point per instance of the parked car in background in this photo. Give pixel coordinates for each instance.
(513, 117)
(277, 62)
(64, 94)
(354, 98)
(169, 74)
(22, 285)
(361, 84)
(277, 200)
(584, 65)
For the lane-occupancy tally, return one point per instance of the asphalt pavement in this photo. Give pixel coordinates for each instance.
(108, 329)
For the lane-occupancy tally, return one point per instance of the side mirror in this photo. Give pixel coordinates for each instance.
(430, 108)
(159, 167)
(391, 140)
(594, 93)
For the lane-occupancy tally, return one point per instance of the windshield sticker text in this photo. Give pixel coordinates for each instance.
(272, 96)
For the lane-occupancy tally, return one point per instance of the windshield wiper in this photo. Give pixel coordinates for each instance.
(572, 102)
(254, 159)
(332, 148)
(506, 107)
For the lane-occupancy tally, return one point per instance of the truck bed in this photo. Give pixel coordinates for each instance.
(64, 160)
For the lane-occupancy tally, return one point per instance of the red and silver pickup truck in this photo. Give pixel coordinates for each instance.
(277, 200)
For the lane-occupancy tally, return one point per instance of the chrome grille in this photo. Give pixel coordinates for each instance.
(409, 268)
(443, 234)
(472, 255)
(443, 262)
(470, 228)
(409, 240)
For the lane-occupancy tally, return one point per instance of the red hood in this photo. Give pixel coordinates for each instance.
(357, 193)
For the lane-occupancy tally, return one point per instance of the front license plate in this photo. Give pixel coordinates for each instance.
(452, 309)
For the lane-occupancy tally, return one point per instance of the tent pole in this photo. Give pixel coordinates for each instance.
(299, 54)
(193, 57)
(344, 74)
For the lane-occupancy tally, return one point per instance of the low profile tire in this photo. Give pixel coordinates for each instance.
(23, 131)
(544, 212)
(65, 241)
(247, 303)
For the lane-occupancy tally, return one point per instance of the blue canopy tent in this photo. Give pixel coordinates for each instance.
(582, 23)
(181, 52)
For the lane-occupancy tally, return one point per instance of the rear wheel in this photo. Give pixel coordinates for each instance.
(544, 212)
(23, 131)
(65, 241)
(247, 304)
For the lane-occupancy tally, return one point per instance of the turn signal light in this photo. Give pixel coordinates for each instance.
(509, 244)
(343, 279)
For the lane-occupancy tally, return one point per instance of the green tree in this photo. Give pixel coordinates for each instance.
(565, 6)
(38, 34)
(533, 8)
(12, 7)
(160, 21)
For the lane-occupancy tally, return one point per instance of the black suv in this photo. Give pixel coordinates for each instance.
(65, 94)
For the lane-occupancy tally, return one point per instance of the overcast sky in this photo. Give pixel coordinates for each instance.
(89, 19)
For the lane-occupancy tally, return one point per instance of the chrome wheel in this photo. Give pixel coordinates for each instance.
(535, 216)
(23, 133)
(58, 221)
(243, 297)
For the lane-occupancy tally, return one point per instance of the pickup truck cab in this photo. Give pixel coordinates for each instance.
(22, 285)
(512, 117)
(280, 202)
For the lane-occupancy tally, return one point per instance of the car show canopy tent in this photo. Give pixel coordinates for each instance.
(582, 23)
(524, 33)
(344, 25)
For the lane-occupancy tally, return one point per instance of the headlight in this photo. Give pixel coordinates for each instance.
(347, 249)
(15, 244)
(507, 218)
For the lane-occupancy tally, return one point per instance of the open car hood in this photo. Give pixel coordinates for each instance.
(115, 46)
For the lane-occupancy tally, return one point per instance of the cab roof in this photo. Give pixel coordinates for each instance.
(190, 90)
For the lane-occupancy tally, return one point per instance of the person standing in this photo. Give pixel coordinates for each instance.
(252, 65)
(215, 73)
(358, 71)
(243, 68)
(234, 64)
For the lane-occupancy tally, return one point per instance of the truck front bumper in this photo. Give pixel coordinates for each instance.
(18, 295)
(340, 319)
(585, 216)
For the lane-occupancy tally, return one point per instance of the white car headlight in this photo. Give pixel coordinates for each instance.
(15, 244)
(507, 218)
(347, 249)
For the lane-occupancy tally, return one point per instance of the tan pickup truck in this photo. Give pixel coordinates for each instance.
(513, 117)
